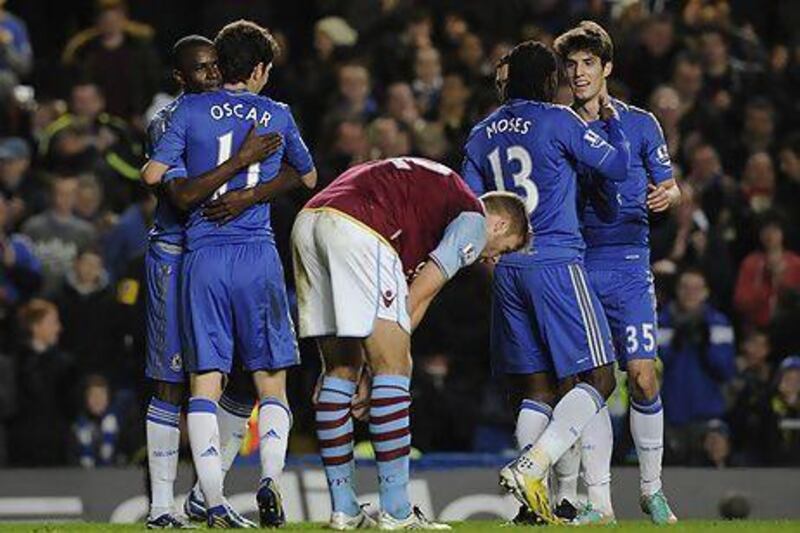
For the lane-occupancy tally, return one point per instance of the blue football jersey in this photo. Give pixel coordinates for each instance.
(533, 148)
(167, 222)
(205, 130)
(627, 236)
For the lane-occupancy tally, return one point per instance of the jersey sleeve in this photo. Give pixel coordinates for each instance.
(589, 148)
(464, 240)
(296, 152)
(169, 149)
(155, 131)
(656, 152)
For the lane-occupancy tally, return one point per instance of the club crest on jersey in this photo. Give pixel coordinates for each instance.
(662, 154)
(468, 254)
(227, 110)
(594, 140)
(176, 363)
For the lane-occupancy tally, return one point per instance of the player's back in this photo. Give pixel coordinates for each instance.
(408, 201)
(214, 125)
(167, 221)
(525, 147)
(628, 234)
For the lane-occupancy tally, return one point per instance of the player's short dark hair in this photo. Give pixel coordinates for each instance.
(587, 36)
(513, 207)
(187, 44)
(241, 46)
(532, 72)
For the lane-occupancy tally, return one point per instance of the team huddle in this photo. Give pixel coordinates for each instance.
(555, 198)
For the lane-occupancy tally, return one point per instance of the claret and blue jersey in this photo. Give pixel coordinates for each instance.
(204, 132)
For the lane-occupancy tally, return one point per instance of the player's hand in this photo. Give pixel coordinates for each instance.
(607, 111)
(256, 147)
(658, 199)
(229, 206)
(359, 407)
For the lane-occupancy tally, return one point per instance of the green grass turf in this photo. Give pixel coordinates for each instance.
(756, 526)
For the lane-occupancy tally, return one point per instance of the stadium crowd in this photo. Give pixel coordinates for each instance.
(370, 79)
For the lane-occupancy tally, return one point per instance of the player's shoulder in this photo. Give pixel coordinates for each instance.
(562, 113)
(634, 113)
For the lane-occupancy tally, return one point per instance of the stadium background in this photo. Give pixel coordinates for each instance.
(370, 79)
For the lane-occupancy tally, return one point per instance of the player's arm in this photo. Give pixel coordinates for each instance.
(611, 159)
(464, 239)
(602, 194)
(663, 191)
(233, 203)
(186, 193)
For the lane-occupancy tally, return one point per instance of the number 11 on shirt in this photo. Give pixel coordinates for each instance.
(224, 150)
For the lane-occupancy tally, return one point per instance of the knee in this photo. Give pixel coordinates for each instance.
(400, 366)
(172, 393)
(348, 372)
(603, 380)
(642, 383)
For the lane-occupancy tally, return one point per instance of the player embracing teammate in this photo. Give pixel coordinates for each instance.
(618, 263)
(232, 295)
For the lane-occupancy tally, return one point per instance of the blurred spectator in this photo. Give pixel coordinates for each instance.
(332, 37)
(688, 239)
(58, 234)
(716, 441)
(26, 195)
(89, 206)
(16, 55)
(354, 97)
(20, 269)
(349, 147)
(86, 302)
(665, 104)
(87, 139)
(118, 55)
(128, 239)
(454, 116)
(765, 275)
(648, 64)
(724, 82)
(782, 416)
(789, 187)
(750, 390)
(45, 378)
(440, 401)
(696, 345)
(95, 431)
(388, 138)
(427, 84)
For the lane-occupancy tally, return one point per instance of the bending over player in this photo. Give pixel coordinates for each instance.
(546, 320)
(355, 244)
(618, 263)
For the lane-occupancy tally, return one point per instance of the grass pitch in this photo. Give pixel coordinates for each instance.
(744, 526)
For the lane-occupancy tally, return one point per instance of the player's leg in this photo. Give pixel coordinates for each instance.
(165, 367)
(343, 359)
(266, 345)
(208, 342)
(519, 353)
(575, 329)
(234, 409)
(564, 478)
(638, 347)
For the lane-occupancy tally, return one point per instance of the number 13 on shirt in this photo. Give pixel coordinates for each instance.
(508, 158)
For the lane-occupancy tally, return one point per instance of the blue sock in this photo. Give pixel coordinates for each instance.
(389, 427)
(335, 435)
